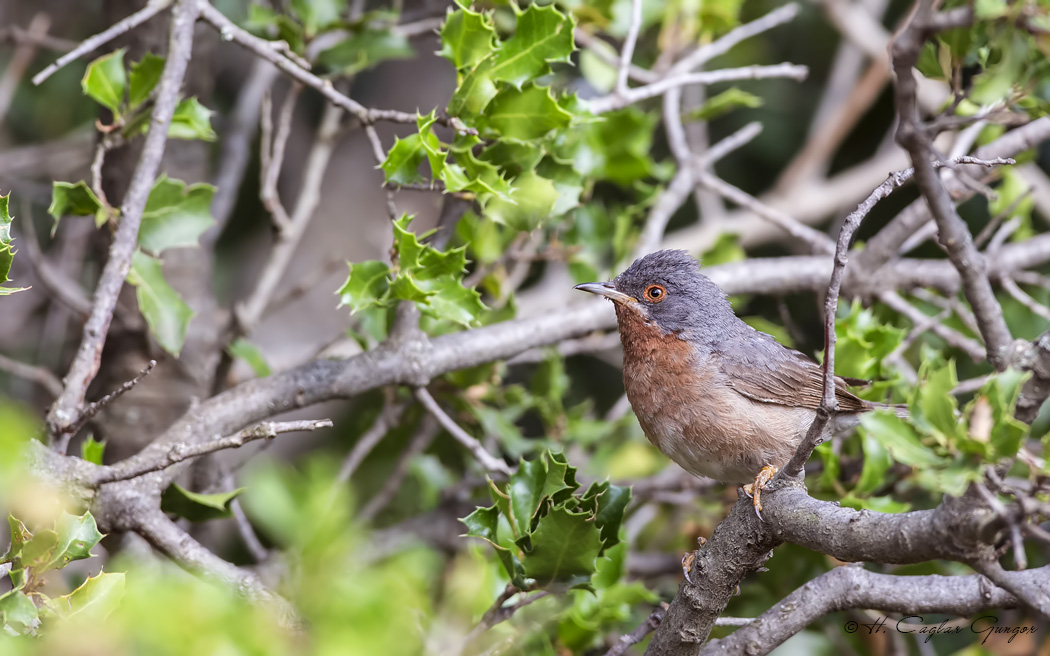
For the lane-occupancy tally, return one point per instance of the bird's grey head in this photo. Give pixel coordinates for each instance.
(667, 288)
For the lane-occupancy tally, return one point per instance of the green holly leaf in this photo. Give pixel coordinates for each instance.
(197, 507)
(525, 114)
(175, 215)
(723, 103)
(467, 37)
(449, 299)
(565, 545)
(484, 523)
(863, 343)
(17, 611)
(318, 14)
(612, 501)
(39, 552)
(76, 536)
(94, 600)
(191, 120)
(406, 243)
(7, 253)
(250, 353)
(533, 482)
(877, 461)
(933, 407)
(1001, 391)
(19, 536)
(899, 439)
(406, 288)
(616, 148)
(145, 74)
(542, 35)
(472, 174)
(366, 286)
(533, 200)
(75, 199)
(105, 81)
(166, 313)
(430, 143)
(92, 450)
(364, 49)
(475, 90)
(401, 165)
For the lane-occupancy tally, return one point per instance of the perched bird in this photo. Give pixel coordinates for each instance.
(718, 397)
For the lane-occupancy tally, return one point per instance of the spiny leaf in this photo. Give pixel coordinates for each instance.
(7, 253)
(526, 114)
(564, 545)
(401, 165)
(532, 202)
(900, 439)
(175, 215)
(19, 536)
(366, 286)
(197, 507)
(74, 199)
(542, 35)
(76, 536)
(144, 76)
(105, 80)
(191, 120)
(17, 611)
(452, 301)
(95, 599)
(166, 313)
(467, 37)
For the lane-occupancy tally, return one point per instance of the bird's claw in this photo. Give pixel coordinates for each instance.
(687, 565)
(754, 490)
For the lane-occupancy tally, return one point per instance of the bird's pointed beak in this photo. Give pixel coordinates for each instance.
(608, 290)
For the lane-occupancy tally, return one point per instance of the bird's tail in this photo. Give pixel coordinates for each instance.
(899, 409)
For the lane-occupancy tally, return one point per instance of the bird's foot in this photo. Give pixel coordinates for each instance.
(688, 558)
(754, 490)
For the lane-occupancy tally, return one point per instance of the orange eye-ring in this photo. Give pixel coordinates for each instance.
(655, 293)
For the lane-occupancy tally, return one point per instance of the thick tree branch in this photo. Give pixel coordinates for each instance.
(844, 588)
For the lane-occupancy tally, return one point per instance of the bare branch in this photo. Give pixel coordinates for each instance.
(607, 54)
(137, 465)
(1037, 308)
(92, 409)
(274, 144)
(725, 43)
(498, 613)
(386, 420)
(86, 362)
(628, 47)
(634, 637)
(39, 375)
(89, 44)
(637, 94)
(424, 435)
(844, 588)
(950, 335)
(488, 462)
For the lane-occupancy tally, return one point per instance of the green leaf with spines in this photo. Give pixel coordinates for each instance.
(467, 37)
(366, 286)
(564, 546)
(401, 165)
(195, 506)
(1002, 391)
(93, 450)
(364, 49)
(532, 201)
(166, 313)
(899, 439)
(94, 600)
(723, 103)
(526, 114)
(451, 301)
(543, 35)
(17, 611)
(19, 536)
(75, 199)
(933, 407)
(176, 215)
(191, 120)
(76, 536)
(105, 81)
(7, 253)
(877, 461)
(144, 76)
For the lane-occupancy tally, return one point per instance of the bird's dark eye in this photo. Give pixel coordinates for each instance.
(655, 293)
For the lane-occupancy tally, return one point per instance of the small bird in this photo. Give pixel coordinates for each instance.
(718, 397)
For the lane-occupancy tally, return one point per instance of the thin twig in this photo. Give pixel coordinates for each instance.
(488, 462)
(273, 160)
(425, 434)
(628, 47)
(91, 43)
(497, 613)
(726, 42)
(738, 139)
(386, 420)
(628, 640)
(140, 465)
(86, 362)
(92, 409)
(637, 94)
(953, 337)
(39, 375)
(607, 54)
(1019, 294)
